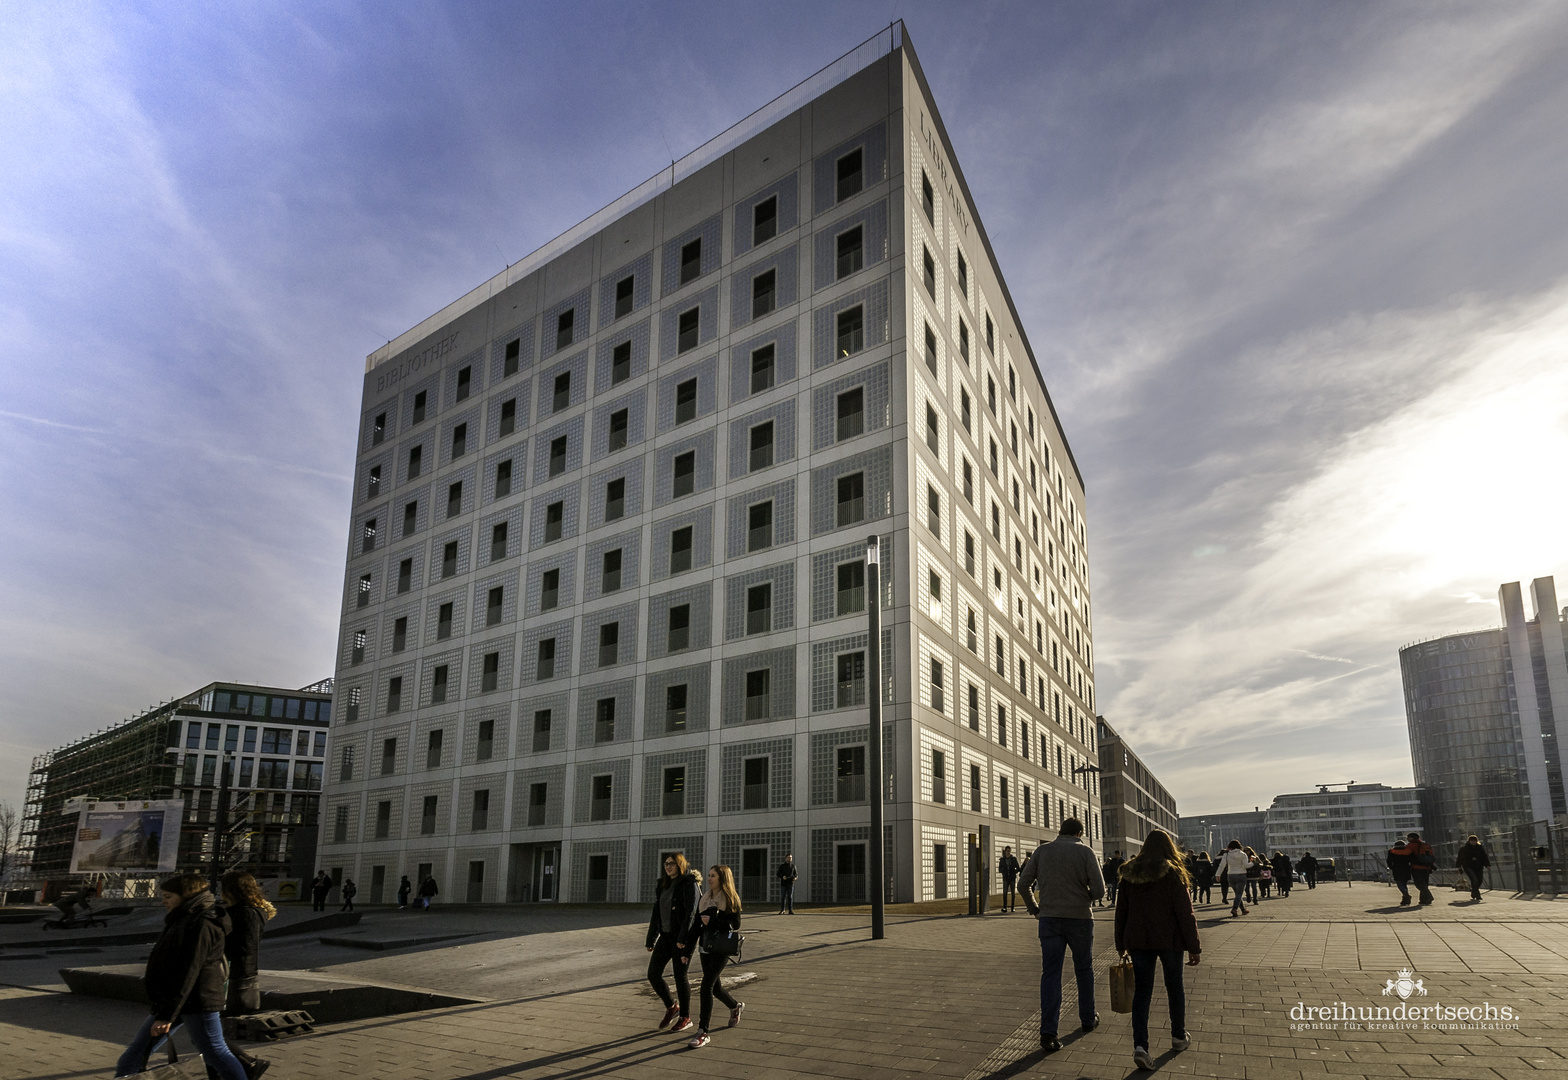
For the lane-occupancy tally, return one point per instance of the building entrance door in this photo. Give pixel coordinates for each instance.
(533, 874)
(754, 875)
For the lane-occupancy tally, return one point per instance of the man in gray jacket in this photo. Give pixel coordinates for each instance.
(1069, 879)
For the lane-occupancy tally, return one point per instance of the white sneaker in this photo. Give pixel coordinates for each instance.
(1141, 1058)
(1181, 1043)
(700, 1041)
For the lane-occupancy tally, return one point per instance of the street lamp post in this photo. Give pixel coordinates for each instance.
(874, 739)
(221, 827)
(1086, 770)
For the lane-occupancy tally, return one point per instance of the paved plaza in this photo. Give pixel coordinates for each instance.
(944, 995)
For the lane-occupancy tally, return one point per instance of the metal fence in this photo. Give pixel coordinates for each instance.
(1526, 860)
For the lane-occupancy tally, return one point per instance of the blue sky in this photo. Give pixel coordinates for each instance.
(1296, 275)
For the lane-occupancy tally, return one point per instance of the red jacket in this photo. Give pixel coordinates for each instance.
(1154, 912)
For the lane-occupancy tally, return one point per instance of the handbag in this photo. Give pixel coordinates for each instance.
(174, 1068)
(1121, 977)
(723, 942)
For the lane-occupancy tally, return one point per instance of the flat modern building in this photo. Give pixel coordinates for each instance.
(1211, 832)
(275, 743)
(1354, 827)
(607, 588)
(1133, 802)
(1488, 713)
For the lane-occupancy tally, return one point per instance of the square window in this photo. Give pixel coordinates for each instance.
(686, 401)
(761, 446)
(851, 331)
(549, 590)
(508, 417)
(850, 174)
(851, 252)
(514, 349)
(687, 330)
(684, 481)
(851, 414)
(757, 694)
(765, 220)
(680, 549)
(691, 261)
(619, 422)
(679, 636)
(609, 643)
(554, 516)
(759, 608)
(621, 363)
(759, 526)
(564, 328)
(763, 293)
(614, 499)
(762, 369)
(545, 666)
(623, 296)
(563, 391)
(558, 455)
(675, 708)
(610, 576)
(851, 499)
(850, 681)
(851, 591)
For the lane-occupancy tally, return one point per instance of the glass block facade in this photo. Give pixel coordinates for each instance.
(683, 420)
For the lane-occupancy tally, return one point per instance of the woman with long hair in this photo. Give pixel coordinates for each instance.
(248, 910)
(1232, 864)
(718, 913)
(674, 903)
(184, 979)
(1154, 924)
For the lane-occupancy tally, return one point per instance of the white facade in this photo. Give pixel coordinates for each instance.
(1355, 827)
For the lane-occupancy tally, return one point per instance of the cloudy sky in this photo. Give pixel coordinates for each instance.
(1297, 276)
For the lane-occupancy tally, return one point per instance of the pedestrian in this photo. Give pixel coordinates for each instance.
(1224, 877)
(1265, 878)
(1254, 874)
(1283, 878)
(1203, 885)
(318, 891)
(427, 893)
(787, 875)
(248, 912)
(1154, 923)
(1398, 861)
(674, 904)
(1007, 867)
(1309, 869)
(1069, 879)
(1473, 860)
(1110, 872)
(718, 913)
(1423, 861)
(184, 979)
(350, 890)
(404, 888)
(1233, 863)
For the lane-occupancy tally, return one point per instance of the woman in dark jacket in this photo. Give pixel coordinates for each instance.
(1283, 877)
(248, 912)
(1474, 860)
(1203, 883)
(1154, 923)
(674, 901)
(185, 979)
(718, 912)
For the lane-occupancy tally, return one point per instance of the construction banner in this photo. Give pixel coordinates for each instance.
(127, 837)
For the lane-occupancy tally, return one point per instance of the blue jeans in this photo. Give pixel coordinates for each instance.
(1056, 937)
(206, 1033)
(1143, 961)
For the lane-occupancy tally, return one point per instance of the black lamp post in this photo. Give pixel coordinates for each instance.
(221, 826)
(874, 740)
